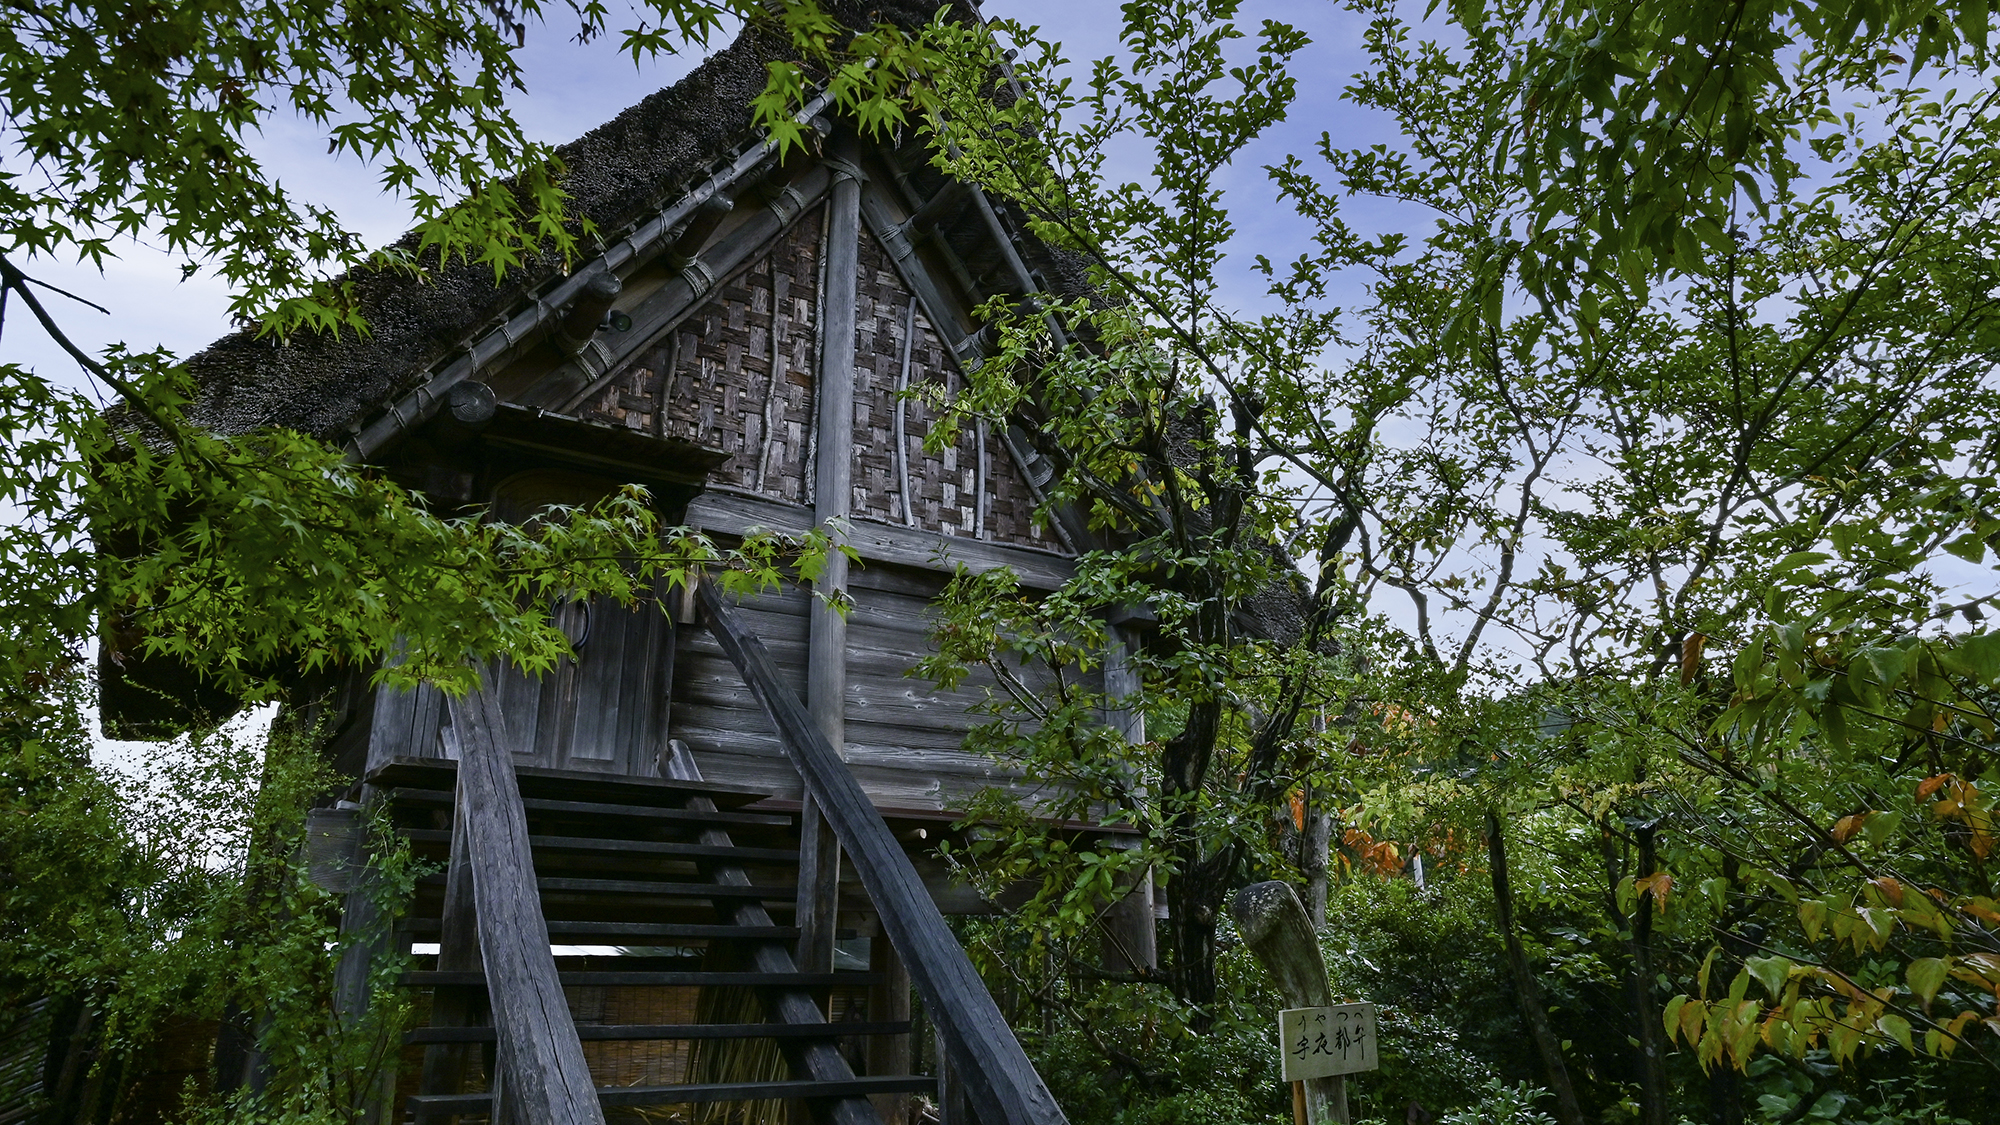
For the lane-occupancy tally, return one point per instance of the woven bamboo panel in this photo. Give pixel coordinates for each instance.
(741, 377)
(943, 488)
(634, 1062)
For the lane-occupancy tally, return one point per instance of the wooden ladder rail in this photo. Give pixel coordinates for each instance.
(980, 1044)
(542, 1073)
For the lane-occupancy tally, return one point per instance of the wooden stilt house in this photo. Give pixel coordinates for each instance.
(691, 867)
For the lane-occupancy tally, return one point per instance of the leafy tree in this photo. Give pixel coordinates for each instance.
(138, 903)
(254, 556)
(1651, 440)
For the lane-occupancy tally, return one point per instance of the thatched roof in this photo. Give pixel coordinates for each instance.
(619, 174)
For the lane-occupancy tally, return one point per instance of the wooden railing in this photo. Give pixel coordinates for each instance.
(981, 1047)
(544, 1078)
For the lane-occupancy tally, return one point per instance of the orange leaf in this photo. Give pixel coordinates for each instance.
(1982, 844)
(1659, 883)
(1691, 656)
(1299, 809)
(1891, 888)
(1931, 785)
(1845, 828)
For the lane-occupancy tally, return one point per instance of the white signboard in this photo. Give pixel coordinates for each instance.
(1322, 1042)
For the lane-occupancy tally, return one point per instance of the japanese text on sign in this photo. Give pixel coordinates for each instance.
(1322, 1042)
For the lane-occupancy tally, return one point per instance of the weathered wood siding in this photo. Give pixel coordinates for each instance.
(606, 710)
(904, 739)
(737, 373)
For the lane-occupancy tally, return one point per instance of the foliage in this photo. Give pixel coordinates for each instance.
(1162, 1071)
(161, 902)
(134, 121)
(1502, 1105)
(1623, 491)
(255, 556)
(244, 554)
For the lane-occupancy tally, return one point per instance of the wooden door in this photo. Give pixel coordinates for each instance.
(605, 710)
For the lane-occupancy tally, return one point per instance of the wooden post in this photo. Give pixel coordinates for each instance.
(1130, 930)
(365, 931)
(954, 1100)
(458, 951)
(1273, 924)
(826, 663)
(889, 1002)
(547, 1081)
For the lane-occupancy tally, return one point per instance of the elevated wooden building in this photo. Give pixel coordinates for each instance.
(726, 800)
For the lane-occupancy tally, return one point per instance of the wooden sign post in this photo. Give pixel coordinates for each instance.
(1325, 1043)
(1273, 924)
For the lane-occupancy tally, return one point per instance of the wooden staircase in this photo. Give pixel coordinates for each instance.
(683, 880)
(681, 877)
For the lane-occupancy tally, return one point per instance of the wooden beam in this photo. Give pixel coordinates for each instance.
(1130, 930)
(889, 1005)
(880, 215)
(726, 512)
(665, 308)
(541, 1068)
(833, 480)
(368, 936)
(820, 1061)
(515, 335)
(954, 1100)
(1273, 924)
(981, 1046)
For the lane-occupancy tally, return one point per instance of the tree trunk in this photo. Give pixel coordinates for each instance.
(1526, 992)
(1725, 1096)
(1193, 897)
(1725, 1086)
(1194, 893)
(1652, 1054)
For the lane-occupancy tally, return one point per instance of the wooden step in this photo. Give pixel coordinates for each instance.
(713, 1092)
(430, 978)
(589, 1031)
(595, 809)
(540, 781)
(646, 887)
(674, 848)
(682, 930)
(660, 889)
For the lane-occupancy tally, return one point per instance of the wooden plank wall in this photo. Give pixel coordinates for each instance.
(903, 737)
(604, 711)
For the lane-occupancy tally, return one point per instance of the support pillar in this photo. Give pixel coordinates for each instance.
(826, 659)
(1130, 931)
(889, 1002)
